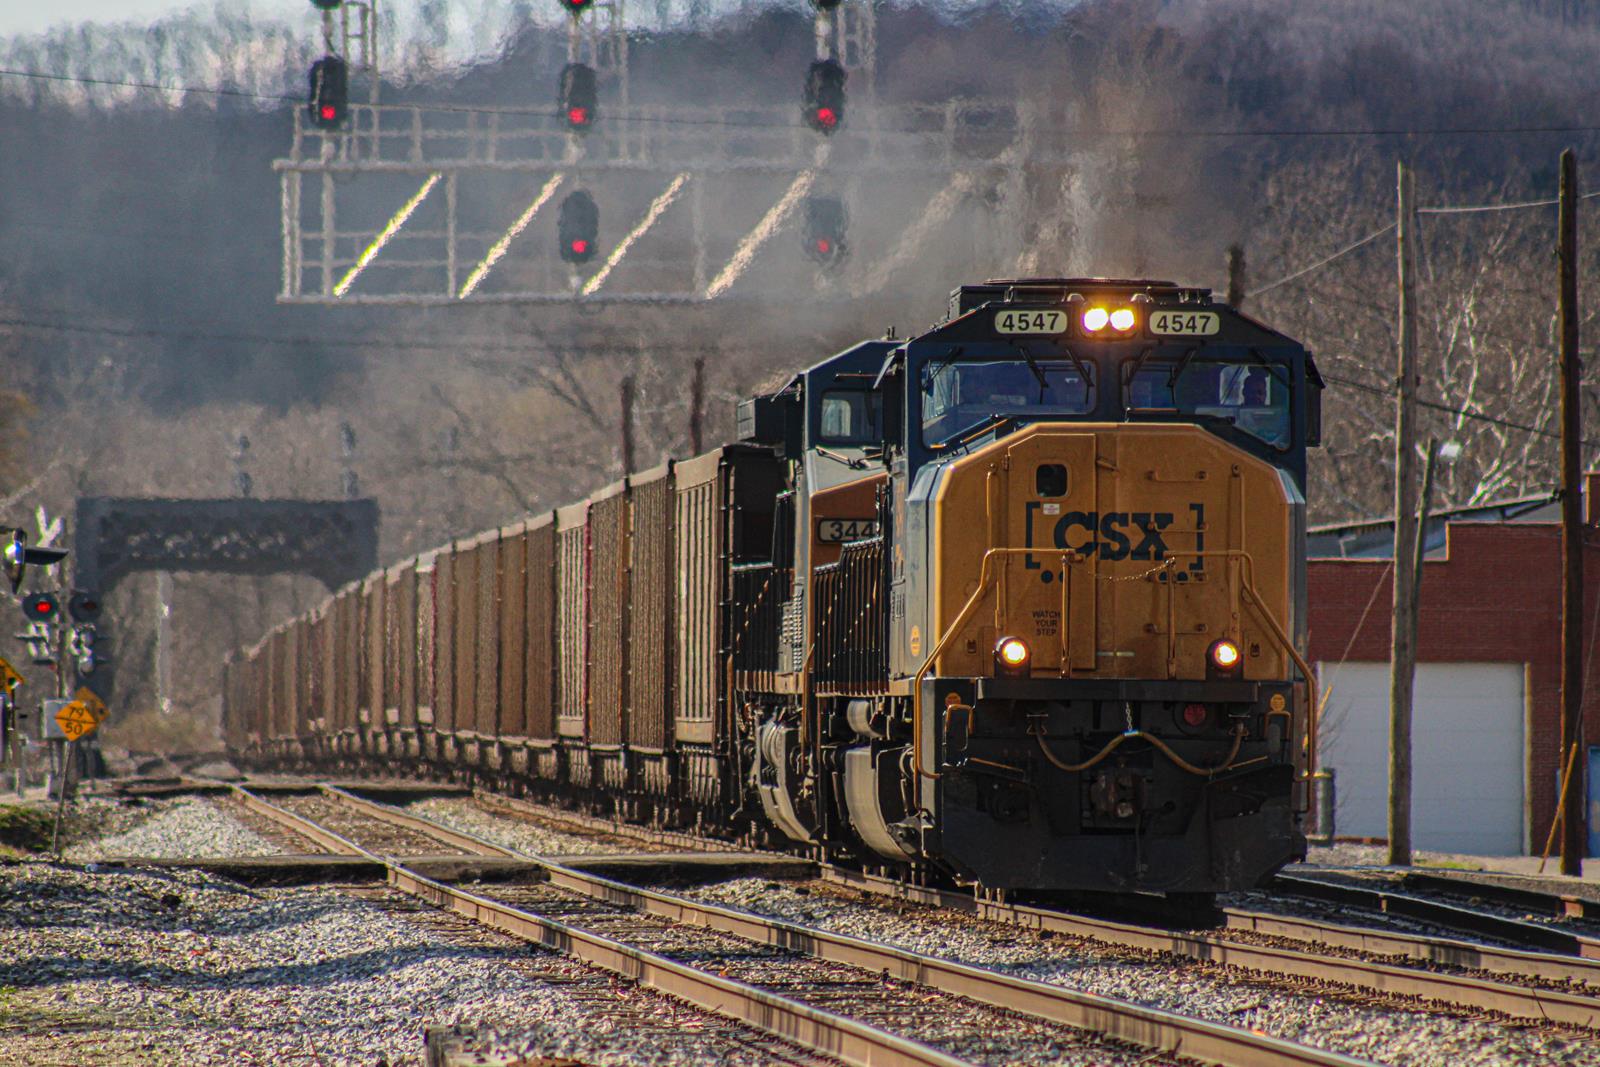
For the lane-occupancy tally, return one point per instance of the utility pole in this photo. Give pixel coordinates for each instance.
(697, 406)
(1572, 835)
(627, 425)
(1403, 629)
(1235, 276)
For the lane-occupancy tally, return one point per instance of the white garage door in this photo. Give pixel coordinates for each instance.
(1466, 754)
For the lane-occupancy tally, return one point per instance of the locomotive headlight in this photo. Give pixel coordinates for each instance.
(1122, 320)
(1011, 655)
(1095, 319)
(1224, 655)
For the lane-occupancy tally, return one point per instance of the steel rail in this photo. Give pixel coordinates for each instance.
(813, 1028)
(1152, 1028)
(1531, 897)
(1448, 952)
(1514, 1000)
(1453, 916)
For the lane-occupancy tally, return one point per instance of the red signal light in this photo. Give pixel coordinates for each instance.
(824, 246)
(827, 117)
(578, 116)
(580, 246)
(43, 607)
(1194, 714)
(329, 113)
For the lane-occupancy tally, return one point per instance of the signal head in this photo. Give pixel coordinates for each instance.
(84, 607)
(330, 92)
(824, 96)
(576, 7)
(40, 607)
(578, 100)
(578, 227)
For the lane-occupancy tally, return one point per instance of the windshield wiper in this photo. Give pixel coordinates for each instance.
(1182, 365)
(937, 367)
(1038, 371)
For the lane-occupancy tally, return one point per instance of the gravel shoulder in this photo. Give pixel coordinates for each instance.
(181, 828)
(147, 967)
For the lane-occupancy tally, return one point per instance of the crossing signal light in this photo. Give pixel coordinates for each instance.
(825, 225)
(15, 555)
(825, 96)
(40, 607)
(579, 100)
(576, 7)
(330, 93)
(578, 226)
(83, 607)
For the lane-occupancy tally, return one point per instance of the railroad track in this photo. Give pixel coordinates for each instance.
(853, 999)
(1524, 1001)
(1457, 916)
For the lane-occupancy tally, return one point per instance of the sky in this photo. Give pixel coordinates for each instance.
(17, 17)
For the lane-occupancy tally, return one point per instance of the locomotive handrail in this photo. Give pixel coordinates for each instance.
(1247, 586)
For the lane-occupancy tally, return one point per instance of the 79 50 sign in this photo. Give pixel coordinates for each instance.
(834, 531)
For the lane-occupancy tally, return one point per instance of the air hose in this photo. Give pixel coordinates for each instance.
(1160, 746)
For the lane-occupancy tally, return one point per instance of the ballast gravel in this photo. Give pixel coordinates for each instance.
(523, 834)
(178, 967)
(184, 828)
(1415, 1038)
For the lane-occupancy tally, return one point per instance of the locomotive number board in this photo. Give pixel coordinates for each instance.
(1185, 323)
(836, 531)
(1030, 322)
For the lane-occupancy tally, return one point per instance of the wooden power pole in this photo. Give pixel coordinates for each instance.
(697, 406)
(1572, 804)
(1235, 276)
(627, 390)
(1403, 631)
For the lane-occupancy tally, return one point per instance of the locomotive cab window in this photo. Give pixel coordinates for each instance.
(1239, 389)
(959, 397)
(850, 416)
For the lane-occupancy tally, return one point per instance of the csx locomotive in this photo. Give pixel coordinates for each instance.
(1014, 603)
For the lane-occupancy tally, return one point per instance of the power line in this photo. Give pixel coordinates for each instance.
(1179, 133)
(1434, 405)
(454, 345)
(1319, 264)
(1464, 209)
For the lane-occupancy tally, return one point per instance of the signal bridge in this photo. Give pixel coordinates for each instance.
(432, 205)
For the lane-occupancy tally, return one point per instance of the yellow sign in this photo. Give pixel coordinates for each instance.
(96, 706)
(76, 720)
(9, 678)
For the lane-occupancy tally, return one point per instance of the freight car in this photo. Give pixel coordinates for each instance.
(1015, 603)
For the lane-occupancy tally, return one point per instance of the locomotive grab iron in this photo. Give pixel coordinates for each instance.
(1016, 603)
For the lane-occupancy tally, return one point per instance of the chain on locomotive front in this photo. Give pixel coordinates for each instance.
(1057, 544)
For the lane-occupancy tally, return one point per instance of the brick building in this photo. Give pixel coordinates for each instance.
(1486, 733)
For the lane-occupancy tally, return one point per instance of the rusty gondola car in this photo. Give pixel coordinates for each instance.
(1016, 603)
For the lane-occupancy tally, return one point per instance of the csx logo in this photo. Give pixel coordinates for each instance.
(1116, 534)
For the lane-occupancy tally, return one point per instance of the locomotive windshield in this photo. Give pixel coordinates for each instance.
(1241, 389)
(957, 397)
